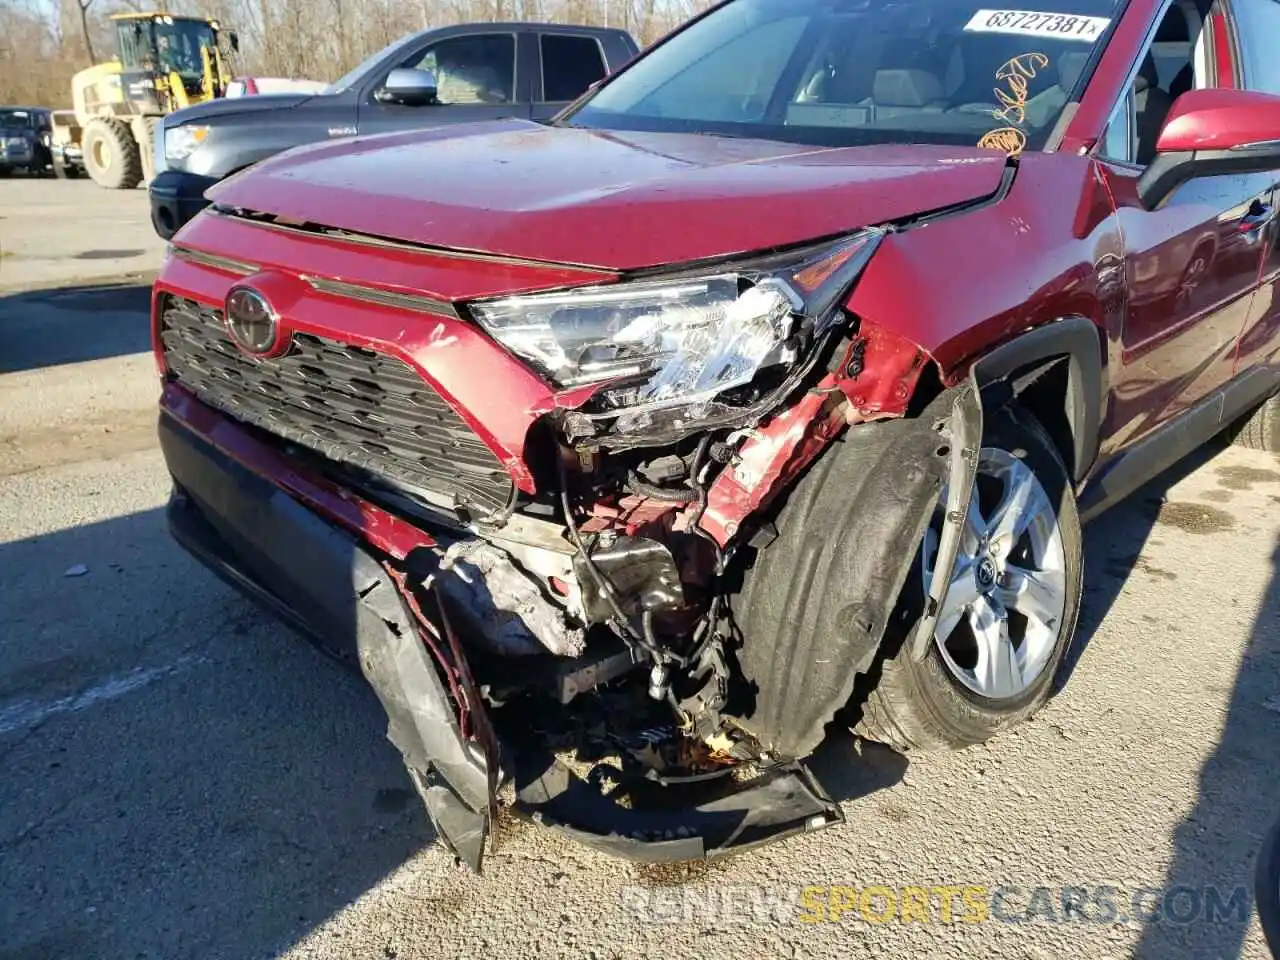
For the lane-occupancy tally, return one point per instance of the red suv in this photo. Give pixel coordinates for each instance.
(764, 388)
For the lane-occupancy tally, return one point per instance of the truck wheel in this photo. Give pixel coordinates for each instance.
(1261, 429)
(5, 172)
(111, 154)
(1010, 610)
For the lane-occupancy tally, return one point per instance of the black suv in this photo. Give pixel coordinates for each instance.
(457, 74)
(25, 134)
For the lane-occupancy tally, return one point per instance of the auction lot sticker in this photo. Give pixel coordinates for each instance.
(1029, 23)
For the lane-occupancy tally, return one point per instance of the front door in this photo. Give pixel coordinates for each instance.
(476, 79)
(1259, 26)
(1191, 265)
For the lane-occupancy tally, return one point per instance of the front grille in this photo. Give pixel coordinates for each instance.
(351, 405)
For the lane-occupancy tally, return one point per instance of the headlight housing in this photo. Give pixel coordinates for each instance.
(181, 142)
(678, 345)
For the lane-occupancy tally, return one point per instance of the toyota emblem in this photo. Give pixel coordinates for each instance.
(251, 322)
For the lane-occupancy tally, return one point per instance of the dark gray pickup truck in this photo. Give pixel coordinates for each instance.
(478, 71)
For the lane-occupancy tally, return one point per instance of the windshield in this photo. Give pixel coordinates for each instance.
(178, 47)
(15, 119)
(846, 72)
(356, 72)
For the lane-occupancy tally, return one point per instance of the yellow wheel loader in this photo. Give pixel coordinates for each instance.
(163, 63)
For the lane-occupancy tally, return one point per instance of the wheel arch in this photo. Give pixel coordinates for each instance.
(1054, 371)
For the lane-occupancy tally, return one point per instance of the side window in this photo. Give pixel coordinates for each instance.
(1258, 23)
(569, 66)
(472, 70)
(1167, 70)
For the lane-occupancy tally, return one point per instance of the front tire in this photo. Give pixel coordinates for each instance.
(1010, 610)
(111, 154)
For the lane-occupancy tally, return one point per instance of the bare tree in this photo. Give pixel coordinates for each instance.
(84, 6)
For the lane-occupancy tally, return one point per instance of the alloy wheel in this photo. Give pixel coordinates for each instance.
(1005, 603)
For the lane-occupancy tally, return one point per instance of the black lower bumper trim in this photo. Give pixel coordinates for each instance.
(691, 822)
(321, 580)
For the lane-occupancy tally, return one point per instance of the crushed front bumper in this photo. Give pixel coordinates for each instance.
(342, 591)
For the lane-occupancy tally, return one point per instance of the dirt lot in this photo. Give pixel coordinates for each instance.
(184, 778)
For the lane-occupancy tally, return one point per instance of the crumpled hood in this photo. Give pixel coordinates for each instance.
(620, 201)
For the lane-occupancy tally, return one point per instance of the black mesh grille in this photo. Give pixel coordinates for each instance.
(352, 405)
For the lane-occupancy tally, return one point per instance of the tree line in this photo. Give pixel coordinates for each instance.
(44, 42)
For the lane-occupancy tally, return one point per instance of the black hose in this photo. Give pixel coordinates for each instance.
(655, 492)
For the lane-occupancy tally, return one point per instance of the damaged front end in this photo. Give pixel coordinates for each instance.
(582, 648)
(615, 738)
(572, 641)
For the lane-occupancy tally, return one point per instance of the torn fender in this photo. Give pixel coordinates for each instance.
(874, 380)
(820, 597)
(964, 430)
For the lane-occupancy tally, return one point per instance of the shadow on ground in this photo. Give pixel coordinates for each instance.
(182, 777)
(1203, 909)
(1202, 906)
(46, 328)
(1113, 545)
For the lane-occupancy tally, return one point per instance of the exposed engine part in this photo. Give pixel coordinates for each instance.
(504, 608)
(658, 685)
(572, 683)
(663, 469)
(707, 681)
(540, 547)
(641, 572)
(564, 679)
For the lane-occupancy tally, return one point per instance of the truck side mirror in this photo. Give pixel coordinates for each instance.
(411, 88)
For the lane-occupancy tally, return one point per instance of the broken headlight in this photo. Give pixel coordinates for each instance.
(676, 343)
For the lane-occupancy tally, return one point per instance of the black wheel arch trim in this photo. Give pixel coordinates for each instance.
(1073, 339)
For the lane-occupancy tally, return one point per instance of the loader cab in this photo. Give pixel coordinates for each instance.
(167, 62)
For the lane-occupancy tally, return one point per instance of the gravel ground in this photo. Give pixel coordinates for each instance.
(184, 778)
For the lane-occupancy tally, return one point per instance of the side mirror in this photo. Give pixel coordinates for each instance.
(1210, 133)
(411, 88)
(1267, 890)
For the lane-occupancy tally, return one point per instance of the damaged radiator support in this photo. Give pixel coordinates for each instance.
(501, 605)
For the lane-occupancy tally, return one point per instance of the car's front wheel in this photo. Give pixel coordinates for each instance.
(1010, 607)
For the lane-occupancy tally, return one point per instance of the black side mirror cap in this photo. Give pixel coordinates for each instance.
(1168, 171)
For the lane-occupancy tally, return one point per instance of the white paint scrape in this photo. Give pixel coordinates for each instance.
(27, 713)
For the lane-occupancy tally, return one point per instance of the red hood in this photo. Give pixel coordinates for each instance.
(615, 200)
